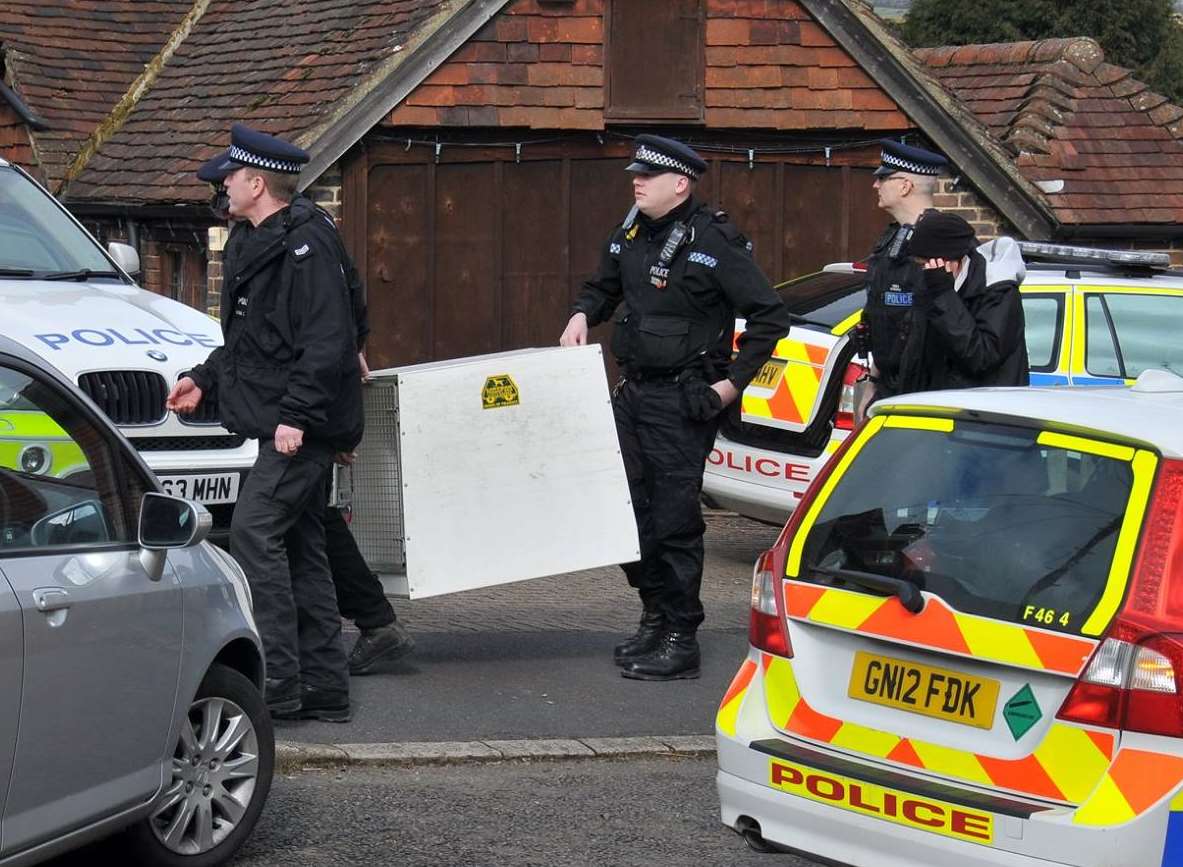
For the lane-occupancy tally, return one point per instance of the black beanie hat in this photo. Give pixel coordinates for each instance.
(941, 236)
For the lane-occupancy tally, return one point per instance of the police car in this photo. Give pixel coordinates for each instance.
(1093, 317)
(966, 646)
(74, 305)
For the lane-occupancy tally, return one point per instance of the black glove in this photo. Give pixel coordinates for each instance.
(702, 402)
(937, 281)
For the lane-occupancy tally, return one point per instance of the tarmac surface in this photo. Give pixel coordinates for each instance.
(525, 670)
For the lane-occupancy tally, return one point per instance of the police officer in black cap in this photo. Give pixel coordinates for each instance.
(360, 595)
(674, 276)
(905, 182)
(288, 376)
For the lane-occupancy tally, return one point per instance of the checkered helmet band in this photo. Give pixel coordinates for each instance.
(903, 165)
(657, 158)
(239, 155)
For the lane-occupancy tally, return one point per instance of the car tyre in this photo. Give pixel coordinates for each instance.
(221, 774)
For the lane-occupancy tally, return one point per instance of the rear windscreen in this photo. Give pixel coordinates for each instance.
(826, 298)
(984, 517)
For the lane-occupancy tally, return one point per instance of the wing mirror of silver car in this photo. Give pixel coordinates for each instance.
(172, 522)
(169, 522)
(125, 257)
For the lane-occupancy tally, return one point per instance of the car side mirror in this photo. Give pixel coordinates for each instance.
(125, 257)
(171, 522)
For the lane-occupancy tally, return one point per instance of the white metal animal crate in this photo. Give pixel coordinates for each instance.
(486, 470)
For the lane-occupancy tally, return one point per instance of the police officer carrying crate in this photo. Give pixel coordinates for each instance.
(905, 182)
(675, 275)
(287, 375)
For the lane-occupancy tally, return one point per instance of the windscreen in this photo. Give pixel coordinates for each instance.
(985, 517)
(36, 237)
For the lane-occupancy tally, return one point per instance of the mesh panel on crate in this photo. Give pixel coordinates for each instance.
(377, 491)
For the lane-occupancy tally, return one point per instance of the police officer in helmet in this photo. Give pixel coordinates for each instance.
(905, 183)
(673, 276)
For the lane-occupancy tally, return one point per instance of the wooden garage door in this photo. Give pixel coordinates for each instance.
(482, 253)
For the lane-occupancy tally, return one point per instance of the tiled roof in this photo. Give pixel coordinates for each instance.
(73, 60)
(768, 65)
(283, 66)
(1067, 115)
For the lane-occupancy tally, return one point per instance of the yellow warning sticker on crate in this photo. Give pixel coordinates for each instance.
(499, 391)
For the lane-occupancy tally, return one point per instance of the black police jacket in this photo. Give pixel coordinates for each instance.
(241, 229)
(290, 335)
(974, 336)
(893, 280)
(680, 315)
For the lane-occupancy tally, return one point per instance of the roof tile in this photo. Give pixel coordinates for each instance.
(1069, 115)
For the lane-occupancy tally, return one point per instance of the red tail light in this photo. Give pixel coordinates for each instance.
(844, 417)
(768, 627)
(1134, 680)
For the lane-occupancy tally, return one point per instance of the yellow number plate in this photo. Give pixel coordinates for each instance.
(770, 374)
(935, 692)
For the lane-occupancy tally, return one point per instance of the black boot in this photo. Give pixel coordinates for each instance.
(330, 705)
(645, 639)
(676, 658)
(282, 694)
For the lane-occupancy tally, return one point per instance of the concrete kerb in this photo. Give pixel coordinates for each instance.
(292, 757)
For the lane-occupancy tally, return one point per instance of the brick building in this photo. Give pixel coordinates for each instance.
(472, 149)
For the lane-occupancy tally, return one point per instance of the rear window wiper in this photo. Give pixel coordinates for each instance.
(907, 592)
(83, 274)
(16, 272)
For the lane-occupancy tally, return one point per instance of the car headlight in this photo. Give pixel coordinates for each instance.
(35, 459)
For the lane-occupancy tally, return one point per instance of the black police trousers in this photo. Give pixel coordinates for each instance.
(277, 535)
(360, 596)
(664, 454)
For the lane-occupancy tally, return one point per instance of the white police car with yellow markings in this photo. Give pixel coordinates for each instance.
(75, 305)
(966, 646)
(1093, 317)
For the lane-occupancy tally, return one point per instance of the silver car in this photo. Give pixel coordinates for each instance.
(129, 660)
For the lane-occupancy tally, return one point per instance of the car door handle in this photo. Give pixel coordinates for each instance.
(51, 599)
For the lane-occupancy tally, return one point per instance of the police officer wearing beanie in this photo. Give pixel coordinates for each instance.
(360, 595)
(287, 375)
(905, 184)
(673, 276)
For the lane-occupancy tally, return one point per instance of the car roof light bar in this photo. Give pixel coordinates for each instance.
(1042, 251)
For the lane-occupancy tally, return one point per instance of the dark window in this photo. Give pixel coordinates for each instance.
(62, 482)
(985, 517)
(655, 54)
(825, 298)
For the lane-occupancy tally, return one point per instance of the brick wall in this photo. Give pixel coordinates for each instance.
(152, 263)
(326, 191)
(967, 203)
(539, 65)
(15, 145)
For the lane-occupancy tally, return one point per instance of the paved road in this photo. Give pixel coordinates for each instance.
(512, 814)
(533, 659)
